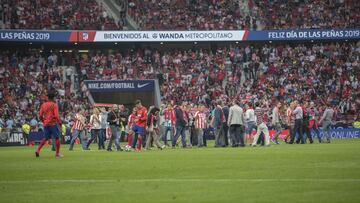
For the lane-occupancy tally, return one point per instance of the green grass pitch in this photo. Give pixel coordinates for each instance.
(284, 173)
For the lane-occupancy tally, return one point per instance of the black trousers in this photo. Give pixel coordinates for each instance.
(237, 135)
(225, 131)
(298, 129)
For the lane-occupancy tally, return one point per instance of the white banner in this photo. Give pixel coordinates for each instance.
(168, 36)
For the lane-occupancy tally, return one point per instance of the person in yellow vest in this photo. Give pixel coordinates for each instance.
(63, 130)
(26, 130)
(356, 123)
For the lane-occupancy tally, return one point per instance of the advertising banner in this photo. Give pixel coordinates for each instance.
(120, 85)
(38, 36)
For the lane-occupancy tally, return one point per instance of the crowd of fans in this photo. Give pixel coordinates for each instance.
(229, 15)
(25, 79)
(318, 72)
(283, 14)
(181, 14)
(188, 15)
(56, 15)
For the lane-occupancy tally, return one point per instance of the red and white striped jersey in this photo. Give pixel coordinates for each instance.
(131, 121)
(290, 118)
(169, 116)
(79, 122)
(200, 120)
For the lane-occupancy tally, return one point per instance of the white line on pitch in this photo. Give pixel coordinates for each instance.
(180, 180)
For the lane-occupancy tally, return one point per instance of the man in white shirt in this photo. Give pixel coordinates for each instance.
(326, 120)
(298, 113)
(276, 123)
(250, 120)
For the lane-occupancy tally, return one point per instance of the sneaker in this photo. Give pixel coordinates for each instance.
(273, 141)
(253, 145)
(59, 155)
(120, 150)
(37, 154)
(109, 150)
(162, 147)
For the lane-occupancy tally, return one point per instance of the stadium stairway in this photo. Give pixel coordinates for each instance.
(114, 8)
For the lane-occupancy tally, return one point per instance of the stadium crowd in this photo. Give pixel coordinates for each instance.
(282, 14)
(56, 15)
(181, 14)
(318, 72)
(229, 15)
(25, 77)
(189, 15)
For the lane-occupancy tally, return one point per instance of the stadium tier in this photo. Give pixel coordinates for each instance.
(178, 14)
(318, 72)
(180, 101)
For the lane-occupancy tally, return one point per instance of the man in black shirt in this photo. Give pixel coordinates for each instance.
(113, 120)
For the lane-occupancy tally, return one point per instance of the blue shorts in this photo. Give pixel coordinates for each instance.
(139, 130)
(53, 131)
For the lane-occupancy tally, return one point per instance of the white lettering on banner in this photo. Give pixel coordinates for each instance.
(339, 133)
(163, 36)
(305, 34)
(7, 35)
(16, 137)
(104, 85)
(18, 35)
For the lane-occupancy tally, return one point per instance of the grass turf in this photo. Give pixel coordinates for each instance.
(283, 173)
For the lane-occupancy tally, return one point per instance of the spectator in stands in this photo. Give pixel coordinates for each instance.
(62, 15)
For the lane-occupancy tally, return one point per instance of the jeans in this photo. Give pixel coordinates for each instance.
(180, 130)
(249, 128)
(237, 135)
(278, 129)
(83, 139)
(102, 137)
(115, 136)
(168, 129)
(200, 134)
(219, 137)
(94, 134)
(326, 128)
(187, 136)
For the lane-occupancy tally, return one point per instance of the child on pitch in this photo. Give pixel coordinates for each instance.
(130, 125)
(49, 115)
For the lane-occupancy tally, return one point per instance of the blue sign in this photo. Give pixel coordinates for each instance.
(120, 85)
(341, 133)
(36, 136)
(304, 34)
(38, 36)
(194, 36)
